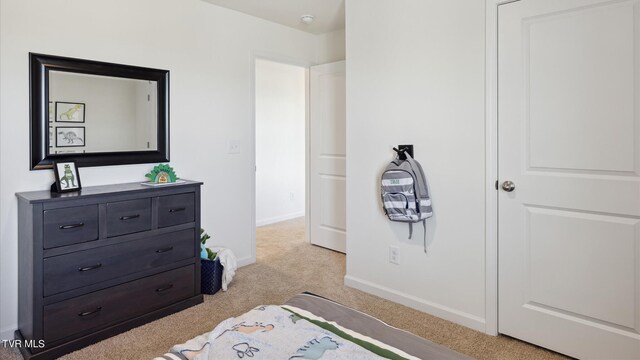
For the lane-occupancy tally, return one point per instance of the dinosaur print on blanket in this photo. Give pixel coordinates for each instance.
(244, 349)
(250, 329)
(315, 348)
(294, 318)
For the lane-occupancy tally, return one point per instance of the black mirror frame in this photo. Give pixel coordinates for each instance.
(39, 67)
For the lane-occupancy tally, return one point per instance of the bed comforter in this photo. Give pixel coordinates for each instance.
(292, 331)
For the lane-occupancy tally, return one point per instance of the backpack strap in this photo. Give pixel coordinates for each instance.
(417, 169)
(424, 227)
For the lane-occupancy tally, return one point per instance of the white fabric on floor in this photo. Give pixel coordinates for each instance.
(229, 265)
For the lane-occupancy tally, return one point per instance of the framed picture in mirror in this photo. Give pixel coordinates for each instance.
(69, 136)
(69, 112)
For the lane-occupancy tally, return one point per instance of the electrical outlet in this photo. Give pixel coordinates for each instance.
(234, 147)
(394, 255)
(291, 196)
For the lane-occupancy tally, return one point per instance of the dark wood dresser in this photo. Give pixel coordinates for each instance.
(98, 262)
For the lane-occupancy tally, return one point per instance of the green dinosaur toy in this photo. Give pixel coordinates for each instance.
(161, 174)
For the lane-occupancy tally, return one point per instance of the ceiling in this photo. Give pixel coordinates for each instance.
(329, 14)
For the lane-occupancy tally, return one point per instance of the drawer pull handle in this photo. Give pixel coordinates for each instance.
(87, 313)
(129, 217)
(71, 226)
(160, 251)
(163, 289)
(177, 209)
(90, 267)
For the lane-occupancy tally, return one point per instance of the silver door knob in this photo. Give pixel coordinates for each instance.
(508, 186)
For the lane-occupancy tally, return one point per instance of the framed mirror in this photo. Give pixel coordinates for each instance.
(97, 113)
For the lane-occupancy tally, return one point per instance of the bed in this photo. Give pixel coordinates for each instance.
(308, 327)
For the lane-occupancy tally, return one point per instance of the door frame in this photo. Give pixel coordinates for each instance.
(282, 59)
(491, 164)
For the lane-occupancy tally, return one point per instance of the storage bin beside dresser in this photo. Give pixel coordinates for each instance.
(101, 261)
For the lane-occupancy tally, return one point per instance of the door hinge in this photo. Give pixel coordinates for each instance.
(496, 184)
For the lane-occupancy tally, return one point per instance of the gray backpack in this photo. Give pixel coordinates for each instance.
(405, 196)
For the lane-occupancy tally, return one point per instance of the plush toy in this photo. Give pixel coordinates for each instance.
(205, 252)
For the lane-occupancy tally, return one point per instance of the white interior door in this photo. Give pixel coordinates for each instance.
(569, 248)
(327, 152)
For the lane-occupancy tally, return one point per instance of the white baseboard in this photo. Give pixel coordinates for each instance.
(434, 309)
(7, 332)
(245, 261)
(277, 219)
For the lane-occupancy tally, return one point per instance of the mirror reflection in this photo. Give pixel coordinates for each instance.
(95, 114)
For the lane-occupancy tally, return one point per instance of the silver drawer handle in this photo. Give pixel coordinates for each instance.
(97, 266)
(87, 313)
(71, 226)
(163, 289)
(129, 217)
(177, 209)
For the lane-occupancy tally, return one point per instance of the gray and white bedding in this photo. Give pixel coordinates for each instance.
(307, 327)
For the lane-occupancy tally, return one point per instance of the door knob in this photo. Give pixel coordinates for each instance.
(508, 186)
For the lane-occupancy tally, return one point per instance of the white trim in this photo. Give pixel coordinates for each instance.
(265, 55)
(491, 164)
(245, 261)
(441, 311)
(277, 219)
(7, 332)
(307, 155)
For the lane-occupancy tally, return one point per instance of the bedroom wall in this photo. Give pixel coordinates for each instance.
(418, 80)
(280, 141)
(331, 47)
(209, 53)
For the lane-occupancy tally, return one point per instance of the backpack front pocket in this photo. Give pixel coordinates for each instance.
(399, 207)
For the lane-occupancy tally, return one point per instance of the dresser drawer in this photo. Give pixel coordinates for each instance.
(176, 209)
(82, 268)
(112, 305)
(70, 225)
(126, 217)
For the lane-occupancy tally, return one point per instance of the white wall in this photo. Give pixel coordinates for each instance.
(415, 75)
(331, 47)
(280, 141)
(209, 53)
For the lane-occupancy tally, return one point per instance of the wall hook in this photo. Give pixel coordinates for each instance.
(401, 151)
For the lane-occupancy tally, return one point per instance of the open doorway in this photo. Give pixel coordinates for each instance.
(280, 125)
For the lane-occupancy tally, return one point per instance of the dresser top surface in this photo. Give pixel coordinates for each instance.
(91, 191)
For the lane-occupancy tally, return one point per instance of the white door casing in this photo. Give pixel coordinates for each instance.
(569, 139)
(327, 153)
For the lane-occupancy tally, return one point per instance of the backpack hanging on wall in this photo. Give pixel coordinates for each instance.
(405, 196)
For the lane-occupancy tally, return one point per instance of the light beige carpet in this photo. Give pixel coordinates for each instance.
(286, 266)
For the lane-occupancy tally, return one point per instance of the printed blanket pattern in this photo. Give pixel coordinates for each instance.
(282, 332)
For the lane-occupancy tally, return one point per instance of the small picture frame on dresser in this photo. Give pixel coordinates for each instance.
(67, 177)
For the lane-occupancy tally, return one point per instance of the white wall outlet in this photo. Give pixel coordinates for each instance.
(394, 255)
(291, 196)
(234, 147)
